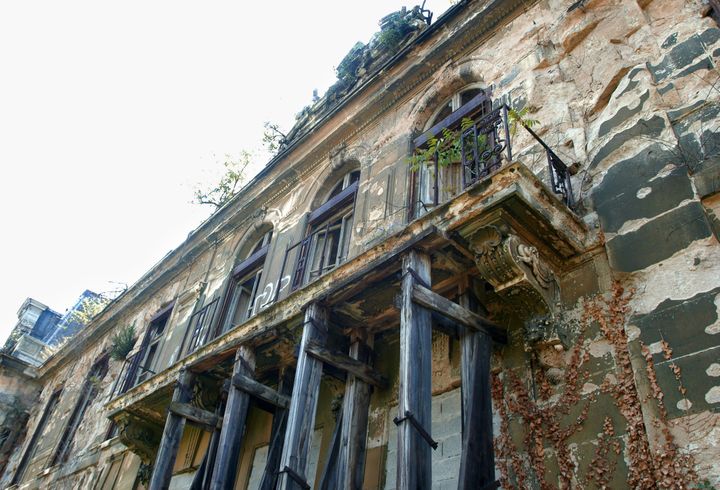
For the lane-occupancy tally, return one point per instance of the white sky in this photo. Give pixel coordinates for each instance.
(111, 112)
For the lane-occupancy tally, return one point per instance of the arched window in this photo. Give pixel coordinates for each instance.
(242, 297)
(327, 239)
(435, 184)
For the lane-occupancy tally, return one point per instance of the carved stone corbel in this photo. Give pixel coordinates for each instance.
(206, 394)
(142, 437)
(515, 270)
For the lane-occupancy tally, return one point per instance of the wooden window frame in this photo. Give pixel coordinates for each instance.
(145, 365)
(253, 265)
(29, 453)
(339, 206)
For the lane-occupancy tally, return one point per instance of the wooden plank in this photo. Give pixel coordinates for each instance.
(277, 433)
(259, 390)
(353, 441)
(346, 363)
(429, 299)
(194, 414)
(414, 466)
(477, 462)
(172, 433)
(203, 475)
(233, 427)
(303, 404)
(329, 479)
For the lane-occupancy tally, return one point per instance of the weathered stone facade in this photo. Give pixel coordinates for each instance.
(611, 306)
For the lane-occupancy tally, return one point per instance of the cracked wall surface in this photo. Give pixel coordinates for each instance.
(628, 90)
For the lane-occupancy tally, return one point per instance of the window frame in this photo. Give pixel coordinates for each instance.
(427, 179)
(153, 343)
(252, 267)
(338, 206)
(88, 392)
(31, 449)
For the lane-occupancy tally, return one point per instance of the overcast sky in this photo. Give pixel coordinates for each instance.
(111, 112)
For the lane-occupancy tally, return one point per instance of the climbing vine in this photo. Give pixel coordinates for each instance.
(547, 426)
(542, 419)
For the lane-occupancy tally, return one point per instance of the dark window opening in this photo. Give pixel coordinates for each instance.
(344, 183)
(435, 184)
(712, 10)
(243, 299)
(152, 345)
(329, 244)
(327, 241)
(198, 328)
(39, 430)
(88, 393)
(140, 366)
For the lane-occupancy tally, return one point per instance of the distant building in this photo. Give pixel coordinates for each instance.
(39, 328)
(37, 334)
(35, 322)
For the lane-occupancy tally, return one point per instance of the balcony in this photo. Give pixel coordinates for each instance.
(467, 146)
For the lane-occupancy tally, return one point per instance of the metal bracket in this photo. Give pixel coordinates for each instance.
(296, 477)
(425, 435)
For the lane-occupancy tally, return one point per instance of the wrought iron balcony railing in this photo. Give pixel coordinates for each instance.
(131, 373)
(468, 145)
(198, 329)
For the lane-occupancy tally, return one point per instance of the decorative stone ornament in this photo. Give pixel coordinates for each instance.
(141, 436)
(515, 270)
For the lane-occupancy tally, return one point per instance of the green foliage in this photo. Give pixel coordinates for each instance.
(346, 69)
(122, 342)
(447, 148)
(273, 138)
(89, 308)
(394, 28)
(230, 182)
(517, 117)
(705, 485)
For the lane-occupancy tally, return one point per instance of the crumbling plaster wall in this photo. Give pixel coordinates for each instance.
(615, 86)
(627, 89)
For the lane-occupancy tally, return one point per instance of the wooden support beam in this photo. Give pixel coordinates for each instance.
(172, 433)
(201, 480)
(194, 414)
(234, 419)
(346, 363)
(429, 299)
(414, 466)
(445, 325)
(259, 390)
(353, 440)
(277, 433)
(477, 462)
(303, 404)
(329, 479)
